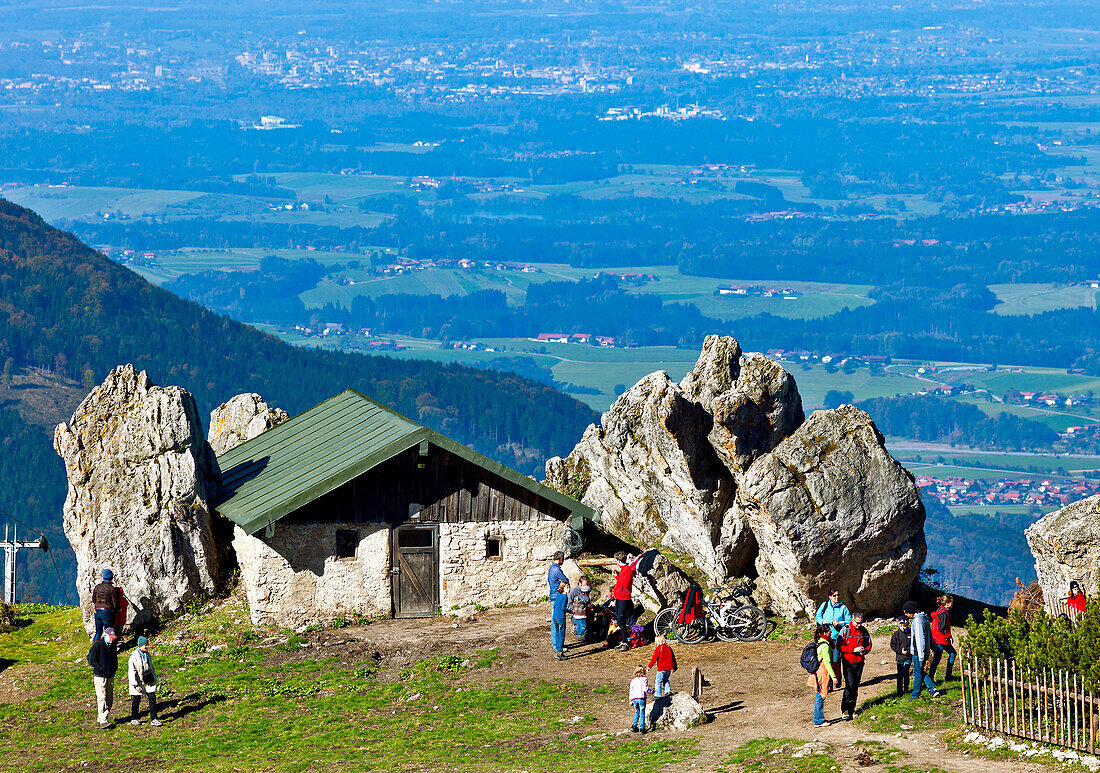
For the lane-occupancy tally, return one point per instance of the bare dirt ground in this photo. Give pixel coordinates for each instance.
(756, 689)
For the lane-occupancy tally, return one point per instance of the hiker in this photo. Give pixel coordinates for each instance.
(899, 643)
(103, 658)
(941, 636)
(665, 660)
(143, 681)
(920, 645)
(1076, 602)
(558, 604)
(624, 580)
(855, 644)
(556, 575)
(579, 600)
(835, 614)
(639, 689)
(105, 603)
(824, 678)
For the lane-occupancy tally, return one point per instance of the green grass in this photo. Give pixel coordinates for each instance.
(889, 713)
(774, 755)
(81, 203)
(246, 707)
(1036, 298)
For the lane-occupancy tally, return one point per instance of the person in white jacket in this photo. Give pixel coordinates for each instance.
(143, 681)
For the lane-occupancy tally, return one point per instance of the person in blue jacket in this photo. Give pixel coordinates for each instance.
(559, 603)
(834, 613)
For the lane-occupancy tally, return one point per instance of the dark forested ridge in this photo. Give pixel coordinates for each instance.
(65, 307)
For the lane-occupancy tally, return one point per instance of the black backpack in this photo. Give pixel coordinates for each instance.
(809, 659)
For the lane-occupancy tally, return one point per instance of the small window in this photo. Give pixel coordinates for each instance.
(346, 543)
(415, 538)
(494, 548)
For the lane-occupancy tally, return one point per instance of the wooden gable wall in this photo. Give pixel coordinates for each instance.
(449, 489)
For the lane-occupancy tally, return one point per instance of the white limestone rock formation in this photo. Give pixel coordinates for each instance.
(723, 472)
(1066, 546)
(137, 500)
(241, 418)
(651, 473)
(831, 508)
(676, 712)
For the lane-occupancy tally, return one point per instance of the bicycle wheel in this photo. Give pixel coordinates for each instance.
(693, 632)
(723, 627)
(748, 623)
(665, 623)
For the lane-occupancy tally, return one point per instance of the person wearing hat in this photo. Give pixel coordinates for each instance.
(1075, 604)
(103, 658)
(920, 647)
(105, 603)
(143, 681)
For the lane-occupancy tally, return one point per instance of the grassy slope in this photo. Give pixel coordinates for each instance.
(249, 707)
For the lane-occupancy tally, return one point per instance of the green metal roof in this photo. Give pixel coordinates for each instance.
(288, 466)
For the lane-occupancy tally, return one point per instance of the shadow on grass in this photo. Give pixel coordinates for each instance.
(178, 708)
(5, 664)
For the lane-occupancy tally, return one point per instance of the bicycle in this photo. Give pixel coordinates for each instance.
(722, 617)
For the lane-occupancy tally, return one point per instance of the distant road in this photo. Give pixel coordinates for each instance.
(945, 448)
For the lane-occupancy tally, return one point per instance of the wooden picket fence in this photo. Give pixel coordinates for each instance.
(1046, 705)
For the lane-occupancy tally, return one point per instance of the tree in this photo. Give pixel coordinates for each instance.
(836, 397)
(9, 369)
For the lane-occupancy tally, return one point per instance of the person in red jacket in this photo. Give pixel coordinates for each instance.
(624, 580)
(665, 660)
(855, 644)
(941, 637)
(1075, 604)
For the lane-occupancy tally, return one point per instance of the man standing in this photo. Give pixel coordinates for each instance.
(920, 645)
(624, 581)
(855, 643)
(103, 658)
(556, 575)
(103, 599)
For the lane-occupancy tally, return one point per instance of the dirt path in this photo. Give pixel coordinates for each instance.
(756, 689)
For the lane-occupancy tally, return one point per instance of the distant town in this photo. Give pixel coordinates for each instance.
(1045, 493)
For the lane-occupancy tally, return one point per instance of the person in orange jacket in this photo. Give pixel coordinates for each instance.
(855, 644)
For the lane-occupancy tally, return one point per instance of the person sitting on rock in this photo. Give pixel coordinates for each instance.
(834, 613)
(1076, 602)
(105, 603)
(825, 678)
(855, 644)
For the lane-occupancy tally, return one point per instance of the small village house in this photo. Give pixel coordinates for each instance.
(353, 509)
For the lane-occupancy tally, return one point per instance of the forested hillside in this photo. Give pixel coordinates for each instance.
(65, 307)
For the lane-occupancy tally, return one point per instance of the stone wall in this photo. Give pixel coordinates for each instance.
(294, 578)
(468, 576)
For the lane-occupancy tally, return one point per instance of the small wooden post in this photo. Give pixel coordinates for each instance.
(1013, 725)
(696, 683)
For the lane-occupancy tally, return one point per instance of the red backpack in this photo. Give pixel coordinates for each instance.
(692, 606)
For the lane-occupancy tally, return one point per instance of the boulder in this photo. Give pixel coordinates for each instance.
(137, 499)
(678, 711)
(653, 476)
(831, 508)
(241, 418)
(1066, 546)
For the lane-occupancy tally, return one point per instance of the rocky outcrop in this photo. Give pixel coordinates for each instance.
(241, 418)
(724, 473)
(831, 508)
(1066, 546)
(137, 500)
(654, 476)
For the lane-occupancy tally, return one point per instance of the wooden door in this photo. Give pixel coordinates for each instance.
(415, 570)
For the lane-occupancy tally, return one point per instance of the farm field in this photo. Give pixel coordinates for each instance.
(1017, 299)
(193, 260)
(1057, 420)
(72, 203)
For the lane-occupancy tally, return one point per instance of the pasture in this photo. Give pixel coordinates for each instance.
(73, 203)
(1019, 299)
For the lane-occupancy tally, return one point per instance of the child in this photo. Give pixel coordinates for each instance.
(639, 688)
(825, 679)
(899, 643)
(665, 660)
(579, 599)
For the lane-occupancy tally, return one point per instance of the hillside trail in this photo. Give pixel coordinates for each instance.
(756, 689)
